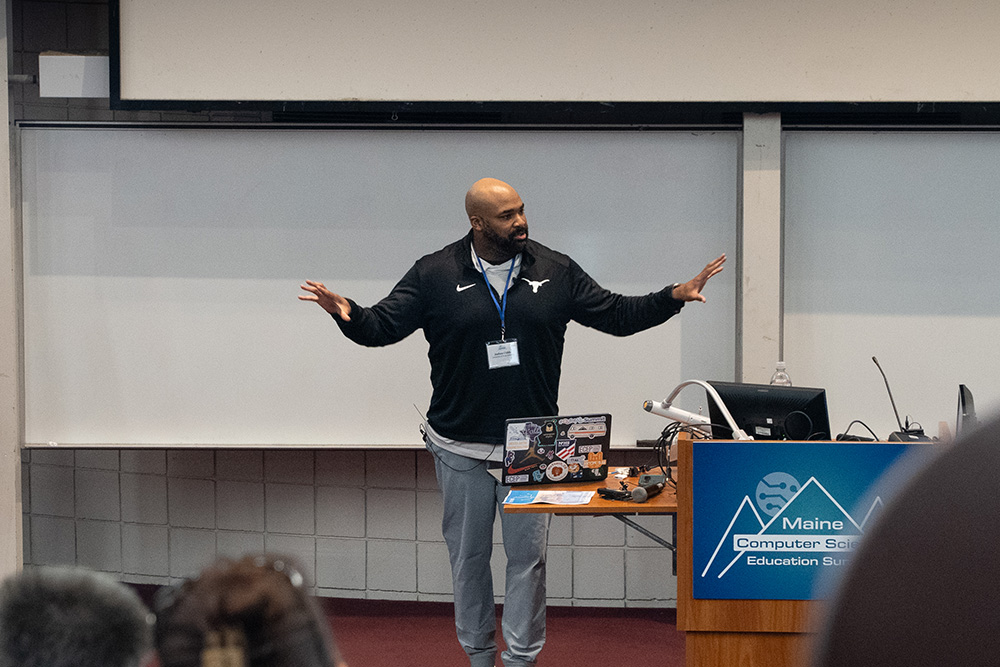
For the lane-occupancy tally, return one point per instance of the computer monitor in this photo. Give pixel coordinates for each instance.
(770, 412)
(966, 420)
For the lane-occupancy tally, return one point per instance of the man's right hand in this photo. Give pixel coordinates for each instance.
(328, 301)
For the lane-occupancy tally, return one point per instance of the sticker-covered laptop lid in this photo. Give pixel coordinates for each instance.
(549, 450)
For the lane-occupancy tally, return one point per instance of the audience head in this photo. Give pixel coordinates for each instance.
(71, 617)
(921, 588)
(251, 612)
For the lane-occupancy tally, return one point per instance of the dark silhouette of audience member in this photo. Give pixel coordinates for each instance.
(251, 612)
(923, 588)
(71, 617)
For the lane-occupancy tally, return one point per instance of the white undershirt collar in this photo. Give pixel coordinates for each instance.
(496, 274)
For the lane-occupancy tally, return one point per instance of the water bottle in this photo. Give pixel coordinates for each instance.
(780, 377)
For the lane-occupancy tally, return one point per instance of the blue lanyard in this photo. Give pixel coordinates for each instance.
(501, 309)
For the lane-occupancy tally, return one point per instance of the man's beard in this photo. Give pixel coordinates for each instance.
(508, 245)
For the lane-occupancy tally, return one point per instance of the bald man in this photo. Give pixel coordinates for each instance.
(494, 307)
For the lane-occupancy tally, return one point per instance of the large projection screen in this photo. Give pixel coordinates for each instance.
(161, 269)
(583, 51)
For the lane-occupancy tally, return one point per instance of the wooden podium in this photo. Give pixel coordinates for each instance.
(732, 633)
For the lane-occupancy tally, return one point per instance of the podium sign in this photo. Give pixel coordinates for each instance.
(770, 518)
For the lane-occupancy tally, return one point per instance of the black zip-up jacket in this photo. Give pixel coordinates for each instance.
(445, 295)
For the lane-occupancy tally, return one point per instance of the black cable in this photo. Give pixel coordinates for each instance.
(715, 426)
(663, 451)
(665, 442)
(858, 421)
(431, 447)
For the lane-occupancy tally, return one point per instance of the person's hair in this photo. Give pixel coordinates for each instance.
(71, 617)
(252, 612)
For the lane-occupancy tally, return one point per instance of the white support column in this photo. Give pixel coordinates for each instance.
(759, 295)
(10, 367)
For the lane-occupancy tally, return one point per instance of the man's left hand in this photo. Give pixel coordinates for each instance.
(691, 290)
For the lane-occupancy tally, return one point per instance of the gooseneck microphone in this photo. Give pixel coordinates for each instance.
(904, 434)
(886, 380)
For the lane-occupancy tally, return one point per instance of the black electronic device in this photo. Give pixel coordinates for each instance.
(614, 494)
(771, 412)
(651, 479)
(906, 433)
(913, 435)
(845, 437)
(966, 420)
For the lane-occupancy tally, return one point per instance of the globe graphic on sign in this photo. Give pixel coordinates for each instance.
(774, 490)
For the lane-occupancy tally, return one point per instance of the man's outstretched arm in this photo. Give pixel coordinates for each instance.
(389, 321)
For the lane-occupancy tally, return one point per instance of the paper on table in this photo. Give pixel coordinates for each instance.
(528, 497)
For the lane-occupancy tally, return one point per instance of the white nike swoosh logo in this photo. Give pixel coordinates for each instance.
(459, 288)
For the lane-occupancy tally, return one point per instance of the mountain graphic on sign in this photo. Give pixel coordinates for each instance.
(874, 512)
(745, 521)
(812, 506)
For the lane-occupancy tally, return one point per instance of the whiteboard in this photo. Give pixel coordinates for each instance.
(582, 51)
(162, 266)
(890, 251)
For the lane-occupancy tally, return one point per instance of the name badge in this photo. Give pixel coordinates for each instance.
(502, 353)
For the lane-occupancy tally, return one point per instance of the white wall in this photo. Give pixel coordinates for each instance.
(589, 50)
(890, 243)
(10, 350)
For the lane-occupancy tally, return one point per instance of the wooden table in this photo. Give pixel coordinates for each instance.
(664, 502)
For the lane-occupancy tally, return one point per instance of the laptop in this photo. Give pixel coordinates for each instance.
(551, 450)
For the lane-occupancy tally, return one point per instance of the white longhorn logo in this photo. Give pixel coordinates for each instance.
(535, 284)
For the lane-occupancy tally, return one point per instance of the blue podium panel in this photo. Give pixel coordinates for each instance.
(770, 518)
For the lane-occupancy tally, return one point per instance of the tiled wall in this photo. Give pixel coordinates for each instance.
(361, 523)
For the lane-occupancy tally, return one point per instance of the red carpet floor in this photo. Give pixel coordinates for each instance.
(384, 633)
(379, 633)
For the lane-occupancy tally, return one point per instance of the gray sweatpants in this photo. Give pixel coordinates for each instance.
(471, 498)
